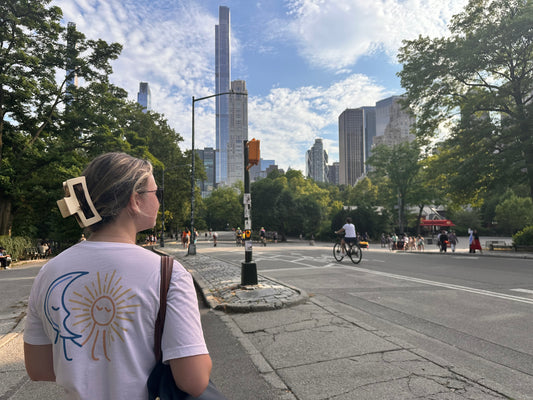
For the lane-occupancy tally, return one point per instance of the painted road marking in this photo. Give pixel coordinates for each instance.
(418, 280)
(528, 291)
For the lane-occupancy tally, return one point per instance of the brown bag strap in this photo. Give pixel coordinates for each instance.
(166, 275)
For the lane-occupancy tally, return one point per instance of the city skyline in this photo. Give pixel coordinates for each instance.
(304, 61)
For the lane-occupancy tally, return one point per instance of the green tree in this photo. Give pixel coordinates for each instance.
(224, 209)
(266, 196)
(514, 213)
(465, 219)
(33, 51)
(364, 193)
(484, 71)
(399, 166)
(292, 205)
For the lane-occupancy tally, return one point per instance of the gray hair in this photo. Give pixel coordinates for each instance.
(111, 180)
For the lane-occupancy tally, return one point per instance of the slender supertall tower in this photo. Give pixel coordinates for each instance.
(144, 97)
(222, 83)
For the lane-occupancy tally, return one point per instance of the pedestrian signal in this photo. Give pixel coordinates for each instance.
(248, 233)
(254, 154)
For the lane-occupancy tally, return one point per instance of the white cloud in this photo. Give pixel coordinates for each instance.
(288, 121)
(335, 34)
(170, 44)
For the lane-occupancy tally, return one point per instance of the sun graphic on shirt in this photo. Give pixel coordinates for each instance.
(100, 310)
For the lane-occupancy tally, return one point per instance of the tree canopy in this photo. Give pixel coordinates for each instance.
(50, 127)
(479, 80)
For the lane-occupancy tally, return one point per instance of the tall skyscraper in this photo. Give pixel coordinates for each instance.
(222, 84)
(260, 171)
(356, 127)
(370, 130)
(238, 132)
(393, 122)
(333, 173)
(316, 160)
(208, 157)
(144, 97)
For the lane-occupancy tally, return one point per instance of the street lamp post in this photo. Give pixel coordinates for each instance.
(192, 245)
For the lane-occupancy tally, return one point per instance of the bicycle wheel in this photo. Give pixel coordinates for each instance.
(355, 254)
(337, 252)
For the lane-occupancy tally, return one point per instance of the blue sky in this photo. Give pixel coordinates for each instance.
(304, 61)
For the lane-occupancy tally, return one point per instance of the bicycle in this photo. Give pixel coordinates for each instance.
(353, 251)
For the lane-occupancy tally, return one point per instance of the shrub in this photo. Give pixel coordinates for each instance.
(15, 245)
(514, 213)
(524, 237)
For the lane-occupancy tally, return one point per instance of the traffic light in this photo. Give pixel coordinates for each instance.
(254, 154)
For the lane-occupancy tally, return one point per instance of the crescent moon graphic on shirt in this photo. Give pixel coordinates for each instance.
(55, 307)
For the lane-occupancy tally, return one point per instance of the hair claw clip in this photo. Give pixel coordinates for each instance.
(78, 202)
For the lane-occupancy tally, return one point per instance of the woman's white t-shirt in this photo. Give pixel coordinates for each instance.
(97, 303)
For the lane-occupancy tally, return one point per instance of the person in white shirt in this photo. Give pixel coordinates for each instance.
(350, 235)
(92, 308)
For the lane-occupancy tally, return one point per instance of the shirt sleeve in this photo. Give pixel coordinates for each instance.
(182, 334)
(34, 332)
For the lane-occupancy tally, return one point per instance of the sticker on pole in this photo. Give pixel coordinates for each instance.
(247, 198)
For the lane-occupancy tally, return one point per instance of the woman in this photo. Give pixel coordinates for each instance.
(92, 309)
(475, 244)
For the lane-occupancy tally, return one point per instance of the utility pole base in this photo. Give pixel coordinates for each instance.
(192, 249)
(248, 273)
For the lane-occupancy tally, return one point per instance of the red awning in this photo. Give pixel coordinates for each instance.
(436, 222)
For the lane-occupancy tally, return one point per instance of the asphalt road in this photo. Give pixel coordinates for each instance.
(472, 311)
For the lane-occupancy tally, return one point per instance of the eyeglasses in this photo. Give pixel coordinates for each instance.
(158, 192)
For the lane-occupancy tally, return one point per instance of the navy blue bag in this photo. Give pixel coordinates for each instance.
(161, 384)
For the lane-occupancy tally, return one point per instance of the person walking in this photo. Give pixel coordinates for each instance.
(443, 240)
(420, 243)
(474, 241)
(93, 308)
(452, 238)
(262, 235)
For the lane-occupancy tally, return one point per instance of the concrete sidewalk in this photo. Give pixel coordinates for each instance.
(308, 350)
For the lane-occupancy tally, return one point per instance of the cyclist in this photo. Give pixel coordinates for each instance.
(349, 234)
(238, 236)
(262, 234)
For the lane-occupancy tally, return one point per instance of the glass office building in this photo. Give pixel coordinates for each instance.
(357, 127)
(316, 160)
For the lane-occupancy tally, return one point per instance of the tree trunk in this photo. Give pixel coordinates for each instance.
(420, 210)
(528, 154)
(5, 216)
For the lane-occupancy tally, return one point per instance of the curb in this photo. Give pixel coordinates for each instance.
(221, 301)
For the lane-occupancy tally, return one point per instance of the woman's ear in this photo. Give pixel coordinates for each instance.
(134, 204)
